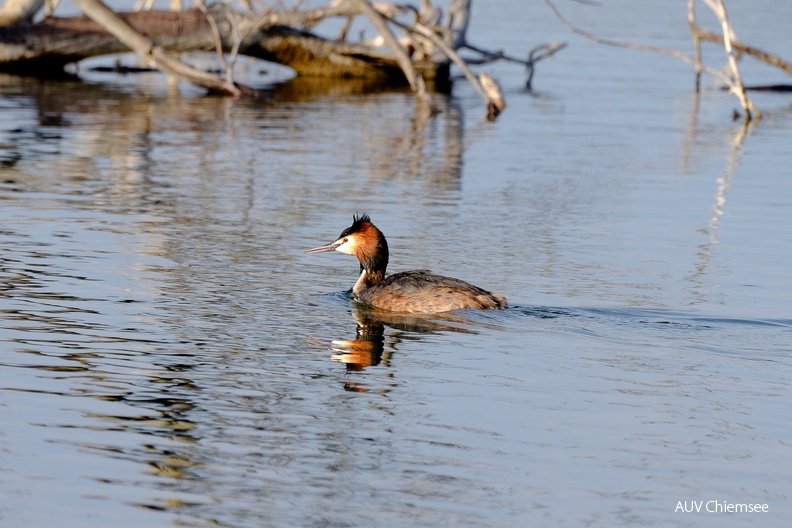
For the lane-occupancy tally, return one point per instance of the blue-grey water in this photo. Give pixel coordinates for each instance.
(169, 356)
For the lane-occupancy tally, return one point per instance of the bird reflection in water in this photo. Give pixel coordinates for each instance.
(369, 347)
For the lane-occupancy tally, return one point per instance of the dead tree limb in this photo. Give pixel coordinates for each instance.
(275, 36)
(768, 58)
(227, 64)
(490, 94)
(412, 75)
(458, 22)
(18, 11)
(735, 87)
(51, 44)
(536, 54)
(634, 45)
(105, 17)
(697, 62)
(218, 41)
(540, 53)
(619, 44)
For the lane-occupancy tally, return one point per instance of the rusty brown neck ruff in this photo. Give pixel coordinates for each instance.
(372, 253)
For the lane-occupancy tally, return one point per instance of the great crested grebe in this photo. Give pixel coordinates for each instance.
(417, 291)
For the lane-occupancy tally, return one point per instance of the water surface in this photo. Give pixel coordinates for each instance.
(170, 356)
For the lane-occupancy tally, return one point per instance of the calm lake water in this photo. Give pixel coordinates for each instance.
(169, 356)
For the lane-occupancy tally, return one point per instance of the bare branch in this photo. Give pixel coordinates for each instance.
(536, 54)
(413, 77)
(696, 62)
(232, 55)
(737, 87)
(495, 102)
(632, 45)
(272, 36)
(105, 17)
(492, 96)
(767, 58)
(218, 40)
(15, 11)
(458, 20)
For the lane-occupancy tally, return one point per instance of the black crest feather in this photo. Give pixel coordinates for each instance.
(357, 223)
(360, 218)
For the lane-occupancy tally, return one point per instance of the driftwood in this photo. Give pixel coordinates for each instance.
(56, 42)
(420, 56)
(18, 11)
(400, 54)
(728, 40)
(135, 41)
(736, 85)
(764, 56)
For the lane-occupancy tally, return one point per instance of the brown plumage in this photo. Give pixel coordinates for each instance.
(418, 291)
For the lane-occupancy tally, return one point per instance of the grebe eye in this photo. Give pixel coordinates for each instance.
(346, 240)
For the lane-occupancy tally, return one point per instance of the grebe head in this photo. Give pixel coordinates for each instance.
(363, 240)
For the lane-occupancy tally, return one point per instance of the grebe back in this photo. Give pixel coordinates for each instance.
(417, 291)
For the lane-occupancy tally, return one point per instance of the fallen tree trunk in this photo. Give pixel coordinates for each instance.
(56, 42)
(421, 55)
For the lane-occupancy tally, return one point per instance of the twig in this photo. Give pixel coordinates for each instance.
(262, 19)
(490, 94)
(768, 58)
(495, 101)
(413, 77)
(229, 74)
(458, 21)
(533, 56)
(738, 88)
(632, 45)
(662, 51)
(117, 27)
(234, 53)
(696, 42)
(537, 54)
(616, 43)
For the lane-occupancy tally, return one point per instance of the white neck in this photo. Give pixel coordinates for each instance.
(360, 284)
